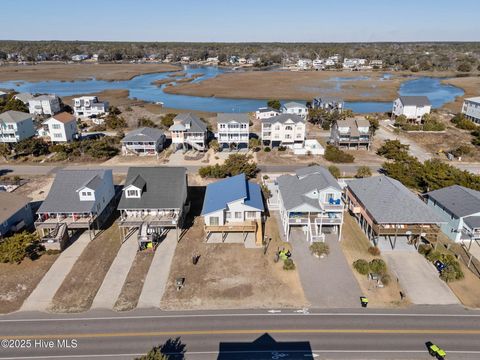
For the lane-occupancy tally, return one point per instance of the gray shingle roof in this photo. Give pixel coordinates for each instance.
(390, 202)
(63, 196)
(282, 118)
(459, 200)
(227, 117)
(415, 100)
(293, 188)
(473, 222)
(165, 188)
(196, 125)
(293, 104)
(144, 134)
(12, 116)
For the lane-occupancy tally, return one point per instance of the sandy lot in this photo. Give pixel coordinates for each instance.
(36, 188)
(18, 281)
(228, 275)
(70, 72)
(469, 84)
(82, 283)
(294, 85)
(355, 245)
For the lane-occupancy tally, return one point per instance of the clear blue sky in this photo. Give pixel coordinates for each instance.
(241, 21)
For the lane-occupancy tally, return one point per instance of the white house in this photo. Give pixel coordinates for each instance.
(329, 104)
(295, 108)
(24, 97)
(60, 128)
(15, 126)
(233, 130)
(353, 63)
(88, 106)
(188, 131)
(412, 107)
(471, 109)
(460, 208)
(143, 141)
(304, 64)
(318, 64)
(233, 205)
(265, 113)
(284, 130)
(79, 57)
(312, 200)
(376, 63)
(44, 105)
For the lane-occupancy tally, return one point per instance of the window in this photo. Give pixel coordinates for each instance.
(251, 214)
(228, 215)
(10, 126)
(132, 193)
(238, 215)
(56, 126)
(288, 127)
(57, 135)
(86, 193)
(214, 221)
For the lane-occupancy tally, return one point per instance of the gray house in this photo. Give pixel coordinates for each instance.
(143, 141)
(460, 209)
(391, 215)
(15, 213)
(188, 131)
(310, 199)
(154, 199)
(78, 199)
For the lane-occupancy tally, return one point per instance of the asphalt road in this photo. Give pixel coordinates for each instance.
(256, 335)
(32, 170)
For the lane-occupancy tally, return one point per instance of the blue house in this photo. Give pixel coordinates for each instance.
(15, 213)
(460, 208)
(234, 205)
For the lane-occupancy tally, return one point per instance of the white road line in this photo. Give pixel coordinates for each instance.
(143, 317)
(91, 356)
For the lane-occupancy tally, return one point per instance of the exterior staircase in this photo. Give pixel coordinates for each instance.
(195, 145)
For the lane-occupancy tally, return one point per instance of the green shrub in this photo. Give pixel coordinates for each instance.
(361, 266)
(424, 249)
(320, 248)
(335, 171)
(448, 274)
(363, 172)
(167, 120)
(288, 264)
(386, 279)
(267, 149)
(374, 250)
(336, 155)
(282, 148)
(378, 266)
(234, 165)
(463, 123)
(16, 247)
(433, 256)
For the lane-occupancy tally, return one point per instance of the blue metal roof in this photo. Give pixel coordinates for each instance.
(228, 190)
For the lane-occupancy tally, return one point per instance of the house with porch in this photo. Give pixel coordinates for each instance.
(234, 205)
(353, 133)
(329, 104)
(233, 131)
(154, 200)
(460, 209)
(89, 106)
(471, 109)
(189, 132)
(77, 200)
(15, 126)
(44, 105)
(312, 201)
(412, 107)
(293, 107)
(15, 213)
(284, 130)
(143, 141)
(391, 215)
(265, 113)
(60, 128)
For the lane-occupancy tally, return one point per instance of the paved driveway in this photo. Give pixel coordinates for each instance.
(419, 278)
(327, 282)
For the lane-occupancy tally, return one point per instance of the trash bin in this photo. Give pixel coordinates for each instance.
(364, 301)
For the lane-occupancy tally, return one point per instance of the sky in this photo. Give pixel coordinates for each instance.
(241, 21)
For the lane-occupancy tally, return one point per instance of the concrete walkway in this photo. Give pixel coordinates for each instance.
(419, 278)
(327, 282)
(157, 276)
(113, 282)
(41, 297)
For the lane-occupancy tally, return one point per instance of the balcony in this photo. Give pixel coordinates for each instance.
(154, 219)
(323, 219)
(245, 226)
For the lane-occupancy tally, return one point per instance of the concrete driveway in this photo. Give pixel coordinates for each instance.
(419, 278)
(327, 282)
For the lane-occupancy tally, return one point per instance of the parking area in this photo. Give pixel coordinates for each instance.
(419, 278)
(327, 282)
